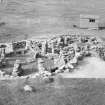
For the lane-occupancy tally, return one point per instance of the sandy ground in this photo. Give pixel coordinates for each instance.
(92, 68)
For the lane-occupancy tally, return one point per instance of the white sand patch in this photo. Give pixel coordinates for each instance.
(95, 68)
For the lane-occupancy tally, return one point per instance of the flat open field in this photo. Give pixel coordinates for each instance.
(22, 19)
(63, 92)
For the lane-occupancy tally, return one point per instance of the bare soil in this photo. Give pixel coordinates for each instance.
(70, 92)
(92, 67)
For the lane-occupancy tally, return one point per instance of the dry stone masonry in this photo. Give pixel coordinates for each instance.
(59, 54)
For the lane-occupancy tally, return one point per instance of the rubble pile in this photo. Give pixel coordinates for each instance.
(71, 55)
(68, 53)
(69, 49)
(36, 46)
(17, 45)
(68, 57)
(28, 88)
(2, 73)
(42, 70)
(101, 52)
(17, 70)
